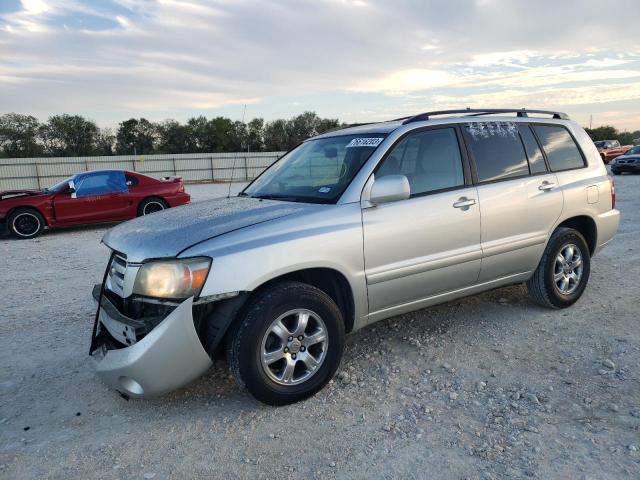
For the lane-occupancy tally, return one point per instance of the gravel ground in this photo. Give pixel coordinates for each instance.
(491, 386)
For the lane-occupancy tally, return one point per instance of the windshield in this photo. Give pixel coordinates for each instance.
(59, 186)
(317, 171)
(633, 151)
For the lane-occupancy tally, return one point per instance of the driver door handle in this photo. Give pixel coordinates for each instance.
(464, 203)
(546, 186)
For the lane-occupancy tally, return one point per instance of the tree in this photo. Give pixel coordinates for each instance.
(606, 132)
(222, 129)
(68, 135)
(105, 142)
(238, 137)
(136, 137)
(201, 134)
(326, 124)
(302, 127)
(19, 135)
(173, 137)
(276, 136)
(255, 135)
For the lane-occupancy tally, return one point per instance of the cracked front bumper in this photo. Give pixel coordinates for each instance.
(169, 356)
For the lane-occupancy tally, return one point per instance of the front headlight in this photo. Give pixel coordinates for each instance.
(181, 278)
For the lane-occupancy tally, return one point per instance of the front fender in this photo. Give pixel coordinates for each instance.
(248, 258)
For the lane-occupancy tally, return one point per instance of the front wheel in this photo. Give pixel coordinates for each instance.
(563, 272)
(25, 223)
(288, 343)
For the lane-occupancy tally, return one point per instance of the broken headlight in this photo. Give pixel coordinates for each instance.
(182, 278)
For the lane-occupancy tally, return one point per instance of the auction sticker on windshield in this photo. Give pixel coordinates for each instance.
(365, 142)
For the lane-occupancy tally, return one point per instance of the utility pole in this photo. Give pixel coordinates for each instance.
(590, 121)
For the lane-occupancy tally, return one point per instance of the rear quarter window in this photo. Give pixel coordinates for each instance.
(131, 180)
(562, 151)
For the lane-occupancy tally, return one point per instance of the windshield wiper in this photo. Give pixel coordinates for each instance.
(284, 198)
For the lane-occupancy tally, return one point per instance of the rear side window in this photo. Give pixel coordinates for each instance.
(429, 159)
(497, 150)
(536, 159)
(562, 152)
(131, 181)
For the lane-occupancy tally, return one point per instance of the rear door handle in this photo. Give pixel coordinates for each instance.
(464, 203)
(546, 186)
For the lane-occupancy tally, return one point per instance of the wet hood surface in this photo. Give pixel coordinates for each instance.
(167, 233)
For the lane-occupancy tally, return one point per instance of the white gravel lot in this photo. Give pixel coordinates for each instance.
(491, 386)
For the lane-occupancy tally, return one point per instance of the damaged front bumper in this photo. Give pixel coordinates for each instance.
(169, 356)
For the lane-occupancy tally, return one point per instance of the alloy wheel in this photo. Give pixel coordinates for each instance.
(294, 347)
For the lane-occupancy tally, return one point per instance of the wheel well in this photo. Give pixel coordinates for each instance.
(152, 197)
(330, 281)
(34, 209)
(586, 226)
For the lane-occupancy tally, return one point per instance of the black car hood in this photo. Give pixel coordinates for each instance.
(167, 233)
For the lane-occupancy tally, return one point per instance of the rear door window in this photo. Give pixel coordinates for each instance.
(497, 150)
(536, 159)
(562, 151)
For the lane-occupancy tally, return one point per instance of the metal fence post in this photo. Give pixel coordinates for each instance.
(212, 177)
(246, 170)
(38, 175)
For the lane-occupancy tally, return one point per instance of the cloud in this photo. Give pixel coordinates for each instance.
(113, 58)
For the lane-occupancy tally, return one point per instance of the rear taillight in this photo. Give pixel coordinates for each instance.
(613, 192)
(181, 188)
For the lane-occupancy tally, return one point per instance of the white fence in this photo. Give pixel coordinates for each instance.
(16, 173)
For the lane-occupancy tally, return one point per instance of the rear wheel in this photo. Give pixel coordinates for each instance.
(151, 205)
(288, 343)
(25, 223)
(563, 272)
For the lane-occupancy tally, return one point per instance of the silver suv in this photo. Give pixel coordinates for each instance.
(351, 227)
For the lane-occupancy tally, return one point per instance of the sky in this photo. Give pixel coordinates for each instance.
(356, 60)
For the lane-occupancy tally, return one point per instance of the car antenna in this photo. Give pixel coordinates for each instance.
(244, 111)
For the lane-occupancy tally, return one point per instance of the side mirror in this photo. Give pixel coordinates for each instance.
(71, 189)
(390, 188)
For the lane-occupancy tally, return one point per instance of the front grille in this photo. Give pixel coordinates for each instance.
(117, 271)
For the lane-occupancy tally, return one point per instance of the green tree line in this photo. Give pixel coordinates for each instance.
(74, 135)
(608, 132)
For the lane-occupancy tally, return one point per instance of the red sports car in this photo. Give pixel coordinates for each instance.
(101, 196)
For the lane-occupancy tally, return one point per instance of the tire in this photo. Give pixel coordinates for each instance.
(255, 341)
(25, 223)
(615, 172)
(151, 205)
(557, 284)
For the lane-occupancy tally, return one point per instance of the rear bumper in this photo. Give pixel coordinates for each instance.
(179, 199)
(168, 357)
(607, 225)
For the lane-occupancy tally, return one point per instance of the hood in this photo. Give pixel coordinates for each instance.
(8, 194)
(628, 157)
(167, 233)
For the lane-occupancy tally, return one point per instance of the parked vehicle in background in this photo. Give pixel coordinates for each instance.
(349, 228)
(610, 149)
(629, 162)
(101, 196)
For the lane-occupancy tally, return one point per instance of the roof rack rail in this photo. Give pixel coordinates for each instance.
(474, 112)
